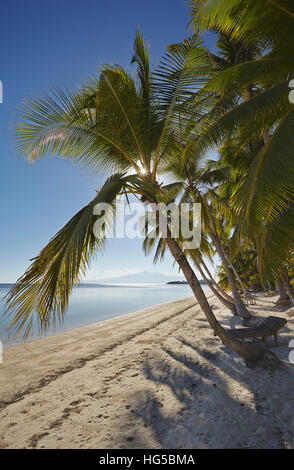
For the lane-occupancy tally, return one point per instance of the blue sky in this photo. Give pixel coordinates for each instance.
(44, 44)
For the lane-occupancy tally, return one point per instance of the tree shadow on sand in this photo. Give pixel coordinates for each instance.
(199, 398)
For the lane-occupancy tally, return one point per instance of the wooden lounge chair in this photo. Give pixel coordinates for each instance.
(248, 299)
(269, 327)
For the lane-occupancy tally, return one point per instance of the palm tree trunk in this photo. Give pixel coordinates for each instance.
(255, 355)
(281, 291)
(240, 307)
(217, 286)
(224, 301)
(288, 288)
(244, 289)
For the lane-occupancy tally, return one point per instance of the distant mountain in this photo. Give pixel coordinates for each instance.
(201, 281)
(143, 277)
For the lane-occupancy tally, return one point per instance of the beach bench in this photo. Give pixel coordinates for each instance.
(269, 327)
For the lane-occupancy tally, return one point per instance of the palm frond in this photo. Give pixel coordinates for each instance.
(43, 291)
(269, 183)
(180, 72)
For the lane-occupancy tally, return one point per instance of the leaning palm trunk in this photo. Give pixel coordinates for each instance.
(240, 307)
(244, 289)
(216, 285)
(255, 355)
(224, 301)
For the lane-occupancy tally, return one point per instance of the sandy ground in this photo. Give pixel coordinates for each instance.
(154, 379)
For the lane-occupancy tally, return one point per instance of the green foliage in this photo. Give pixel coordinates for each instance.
(133, 127)
(116, 123)
(245, 261)
(252, 105)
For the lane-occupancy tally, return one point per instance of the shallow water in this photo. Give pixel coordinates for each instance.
(96, 303)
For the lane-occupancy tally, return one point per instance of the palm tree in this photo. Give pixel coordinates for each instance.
(195, 255)
(199, 186)
(213, 104)
(264, 200)
(128, 127)
(245, 260)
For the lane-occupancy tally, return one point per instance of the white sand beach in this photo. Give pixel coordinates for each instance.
(152, 379)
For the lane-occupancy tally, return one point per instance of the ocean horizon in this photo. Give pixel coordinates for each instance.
(91, 303)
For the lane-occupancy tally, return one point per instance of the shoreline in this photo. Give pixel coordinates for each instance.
(98, 323)
(153, 379)
(93, 314)
(78, 344)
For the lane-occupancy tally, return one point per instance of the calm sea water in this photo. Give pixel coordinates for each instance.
(96, 303)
